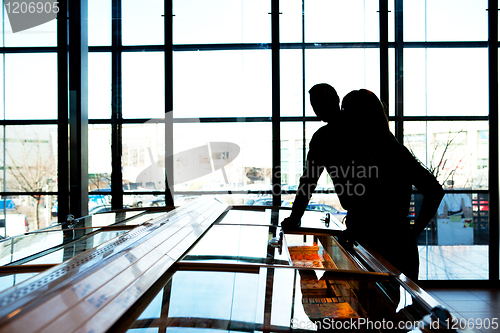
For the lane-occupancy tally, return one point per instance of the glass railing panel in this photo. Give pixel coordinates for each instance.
(278, 299)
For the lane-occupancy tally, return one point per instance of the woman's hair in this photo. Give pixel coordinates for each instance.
(362, 110)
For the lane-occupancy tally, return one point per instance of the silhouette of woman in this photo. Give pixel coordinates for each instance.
(381, 175)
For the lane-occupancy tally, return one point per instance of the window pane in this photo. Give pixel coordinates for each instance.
(391, 21)
(222, 156)
(292, 135)
(143, 85)
(415, 79)
(329, 66)
(456, 153)
(392, 82)
(447, 20)
(143, 24)
(2, 91)
(291, 154)
(414, 20)
(324, 181)
(31, 157)
(4, 169)
(291, 21)
(143, 157)
(31, 86)
(100, 22)
(99, 157)
(30, 166)
(291, 83)
(348, 21)
(2, 30)
(292, 132)
(446, 82)
(455, 150)
(27, 213)
(222, 21)
(222, 84)
(455, 244)
(99, 86)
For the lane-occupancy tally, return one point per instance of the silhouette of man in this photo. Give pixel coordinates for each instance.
(325, 103)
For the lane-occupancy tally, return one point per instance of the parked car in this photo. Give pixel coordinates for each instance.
(101, 198)
(324, 188)
(324, 208)
(264, 202)
(9, 204)
(340, 215)
(95, 200)
(17, 224)
(289, 187)
(100, 209)
(54, 209)
(159, 202)
(251, 199)
(327, 209)
(138, 200)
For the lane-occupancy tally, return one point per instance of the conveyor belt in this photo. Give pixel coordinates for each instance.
(92, 290)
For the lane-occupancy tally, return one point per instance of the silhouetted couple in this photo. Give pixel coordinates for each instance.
(373, 175)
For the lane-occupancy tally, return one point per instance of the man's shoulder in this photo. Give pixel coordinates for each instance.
(324, 131)
(322, 135)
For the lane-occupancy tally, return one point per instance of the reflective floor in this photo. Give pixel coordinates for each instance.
(453, 262)
(479, 307)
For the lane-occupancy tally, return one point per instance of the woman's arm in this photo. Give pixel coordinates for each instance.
(432, 191)
(430, 203)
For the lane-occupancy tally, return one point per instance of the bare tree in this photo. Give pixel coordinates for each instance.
(441, 162)
(30, 165)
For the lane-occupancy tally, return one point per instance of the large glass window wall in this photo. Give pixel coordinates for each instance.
(221, 136)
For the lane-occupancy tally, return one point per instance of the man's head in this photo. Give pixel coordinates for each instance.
(324, 101)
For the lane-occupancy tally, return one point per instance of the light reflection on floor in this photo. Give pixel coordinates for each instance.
(453, 262)
(476, 308)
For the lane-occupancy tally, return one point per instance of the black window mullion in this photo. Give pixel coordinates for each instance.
(78, 106)
(398, 45)
(169, 103)
(244, 119)
(384, 52)
(303, 87)
(493, 178)
(62, 112)
(116, 107)
(275, 68)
